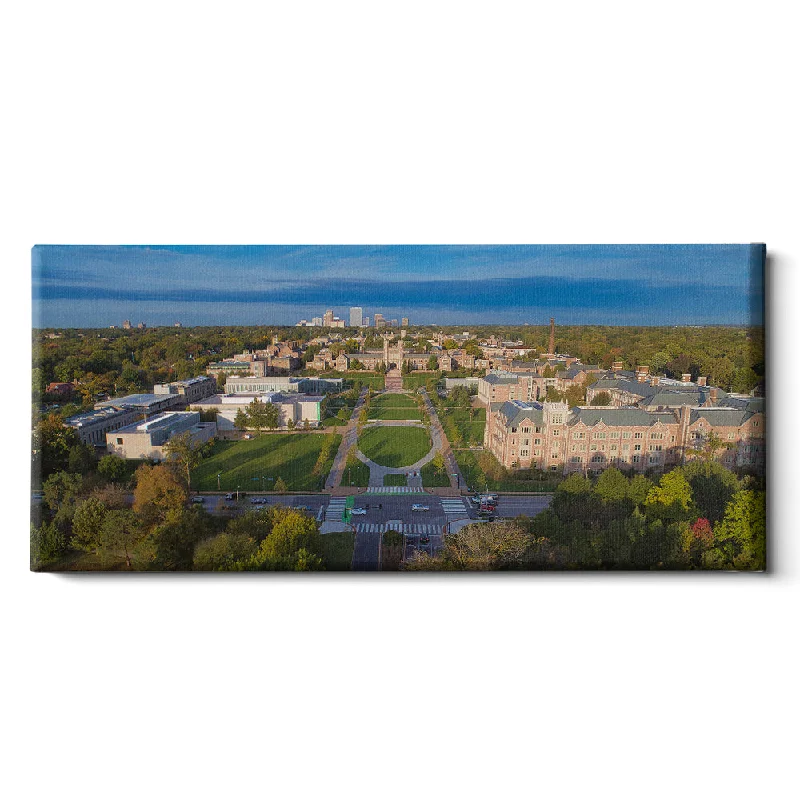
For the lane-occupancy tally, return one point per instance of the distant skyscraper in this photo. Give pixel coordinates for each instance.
(317, 322)
(365, 324)
(394, 323)
(327, 318)
(404, 322)
(356, 316)
(126, 325)
(380, 322)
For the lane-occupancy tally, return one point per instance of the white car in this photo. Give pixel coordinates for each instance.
(419, 507)
(358, 511)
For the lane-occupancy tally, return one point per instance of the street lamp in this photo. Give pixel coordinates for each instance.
(458, 479)
(219, 488)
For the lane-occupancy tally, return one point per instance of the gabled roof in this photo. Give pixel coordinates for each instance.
(615, 417)
(495, 378)
(718, 417)
(515, 411)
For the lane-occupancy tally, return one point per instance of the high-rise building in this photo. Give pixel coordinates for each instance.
(404, 322)
(394, 323)
(356, 316)
(380, 322)
(327, 318)
(316, 322)
(365, 323)
(126, 325)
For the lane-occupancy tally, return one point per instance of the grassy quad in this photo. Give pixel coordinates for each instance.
(457, 421)
(394, 447)
(289, 456)
(395, 480)
(393, 407)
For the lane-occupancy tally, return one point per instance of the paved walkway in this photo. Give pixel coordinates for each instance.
(438, 435)
(348, 440)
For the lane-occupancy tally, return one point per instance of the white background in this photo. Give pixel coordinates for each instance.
(411, 122)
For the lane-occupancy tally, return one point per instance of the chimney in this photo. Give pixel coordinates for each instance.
(701, 381)
(654, 380)
(641, 377)
(616, 366)
(552, 343)
(713, 395)
(686, 377)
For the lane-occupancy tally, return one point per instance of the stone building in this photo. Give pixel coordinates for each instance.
(147, 439)
(553, 437)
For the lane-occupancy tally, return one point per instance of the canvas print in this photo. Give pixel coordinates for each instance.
(398, 408)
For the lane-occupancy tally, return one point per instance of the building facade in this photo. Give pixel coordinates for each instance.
(147, 439)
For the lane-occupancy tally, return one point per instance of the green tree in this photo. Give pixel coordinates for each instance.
(280, 485)
(241, 421)
(639, 489)
(87, 525)
(601, 399)
(671, 499)
(713, 487)
(121, 532)
(169, 547)
(52, 442)
(48, 543)
(183, 449)
(708, 447)
(223, 552)
(114, 469)
(612, 486)
(292, 532)
(257, 415)
(433, 363)
(740, 539)
(81, 459)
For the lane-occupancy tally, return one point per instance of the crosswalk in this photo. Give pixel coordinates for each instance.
(413, 529)
(393, 490)
(454, 508)
(335, 509)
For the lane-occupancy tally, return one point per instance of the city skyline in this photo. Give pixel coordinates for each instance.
(77, 286)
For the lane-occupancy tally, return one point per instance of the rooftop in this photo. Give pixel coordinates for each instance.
(160, 421)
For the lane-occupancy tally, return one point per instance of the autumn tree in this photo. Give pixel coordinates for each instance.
(740, 539)
(52, 442)
(280, 485)
(671, 499)
(159, 494)
(87, 525)
(601, 399)
(294, 543)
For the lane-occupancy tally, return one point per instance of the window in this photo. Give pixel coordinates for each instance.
(556, 432)
(537, 441)
(555, 455)
(523, 453)
(576, 459)
(600, 435)
(755, 423)
(593, 447)
(557, 419)
(613, 447)
(526, 429)
(730, 436)
(626, 434)
(513, 430)
(637, 435)
(613, 435)
(538, 429)
(119, 440)
(626, 447)
(597, 458)
(654, 459)
(637, 447)
(636, 459)
(580, 435)
(526, 442)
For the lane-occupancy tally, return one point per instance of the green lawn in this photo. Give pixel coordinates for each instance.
(337, 550)
(355, 473)
(395, 480)
(432, 478)
(365, 378)
(395, 446)
(290, 456)
(393, 406)
(426, 379)
(457, 420)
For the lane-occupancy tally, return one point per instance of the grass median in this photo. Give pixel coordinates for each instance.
(399, 446)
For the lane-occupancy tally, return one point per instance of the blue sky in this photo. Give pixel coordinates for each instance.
(97, 286)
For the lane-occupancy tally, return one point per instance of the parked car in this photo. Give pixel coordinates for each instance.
(230, 496)
(358, 511)
(198, 499)
(424, 539)
(419, 507)
(258, 501)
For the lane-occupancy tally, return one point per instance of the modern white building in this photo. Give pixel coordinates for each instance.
(283, 384)
(147, 439)
(299, 408)
(93, 426)
(356, 316)
(192, 390)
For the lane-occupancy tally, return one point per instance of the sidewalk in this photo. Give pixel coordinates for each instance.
(456, 483)
(349, 439)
